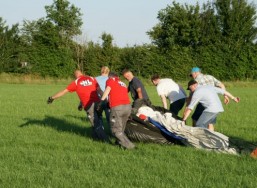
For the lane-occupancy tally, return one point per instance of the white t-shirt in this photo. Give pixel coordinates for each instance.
(170, 90)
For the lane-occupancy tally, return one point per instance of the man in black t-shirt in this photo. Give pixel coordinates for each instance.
(137, 89)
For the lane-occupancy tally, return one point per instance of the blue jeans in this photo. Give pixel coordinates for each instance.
(96, 122)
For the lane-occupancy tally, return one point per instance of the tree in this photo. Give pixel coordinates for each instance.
(217, 38)
(50, 40)
(110, 53)
(66, 18)
(236, 20)
(179, 25)
(79, 47)
(9, 47)
(140, 60)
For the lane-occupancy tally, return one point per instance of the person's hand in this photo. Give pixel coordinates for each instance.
(50, 100)
(236, 99)
(226, 99)
(80, 107)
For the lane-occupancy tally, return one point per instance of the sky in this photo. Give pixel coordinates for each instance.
(126, 20)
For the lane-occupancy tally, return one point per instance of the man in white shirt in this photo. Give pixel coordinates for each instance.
(167, 88)
(207, 96)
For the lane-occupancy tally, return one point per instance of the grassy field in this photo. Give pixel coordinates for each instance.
(50, 146)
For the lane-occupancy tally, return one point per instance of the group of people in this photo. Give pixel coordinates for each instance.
(107, 92)
(204, 90)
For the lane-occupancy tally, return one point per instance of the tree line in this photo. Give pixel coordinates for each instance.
(218, 36)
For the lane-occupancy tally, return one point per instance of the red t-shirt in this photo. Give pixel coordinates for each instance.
(86, 89)
(119, 92)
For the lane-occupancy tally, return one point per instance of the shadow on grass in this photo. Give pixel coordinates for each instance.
(83, 119)
(242, 145)
(59, 125)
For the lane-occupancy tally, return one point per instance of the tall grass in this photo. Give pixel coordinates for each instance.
(13, 78)
(50, 146)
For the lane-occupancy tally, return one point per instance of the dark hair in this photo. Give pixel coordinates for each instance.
(125, 71)
(113, 74)
(155, 77)
(191, 82)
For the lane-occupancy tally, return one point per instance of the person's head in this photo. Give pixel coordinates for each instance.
(127, 74)
(192, 85)
(105, 70)
(112, 74)
(155, 79)
(195, 72)
(77, 73)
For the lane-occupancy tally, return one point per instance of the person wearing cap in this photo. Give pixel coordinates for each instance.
(208, 97)
(204, 79)
(136, 89)
(167, 88)
(120, 107)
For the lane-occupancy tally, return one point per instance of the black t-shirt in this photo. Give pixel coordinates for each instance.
(134, 84)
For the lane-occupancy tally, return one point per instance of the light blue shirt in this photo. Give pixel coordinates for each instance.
(208, 96)
(102, 81)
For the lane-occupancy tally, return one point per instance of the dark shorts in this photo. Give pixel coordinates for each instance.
(198, 112)
(176, 106)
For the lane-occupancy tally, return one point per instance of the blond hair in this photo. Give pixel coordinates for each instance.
(105, 70)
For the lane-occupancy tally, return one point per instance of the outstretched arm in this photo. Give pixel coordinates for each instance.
(60, 93)
(226, 98)
(57, 95)
(227, 94)
(164, 101)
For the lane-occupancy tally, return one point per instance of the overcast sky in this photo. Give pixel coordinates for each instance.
(126, 20)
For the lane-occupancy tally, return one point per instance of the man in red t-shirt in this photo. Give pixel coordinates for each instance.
(120, 109)
(87, 90)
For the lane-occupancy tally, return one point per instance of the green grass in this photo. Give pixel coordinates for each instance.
(50, 146)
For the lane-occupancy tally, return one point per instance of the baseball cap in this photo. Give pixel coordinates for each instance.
(191, 82)
(195, 69)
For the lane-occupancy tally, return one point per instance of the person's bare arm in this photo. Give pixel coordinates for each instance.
(57, 95)
(139, 93)
(186, 113)
(188, 99)
(227, 94)
(222, 86)
(106, 93)
(60, 94)
(164, 101)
